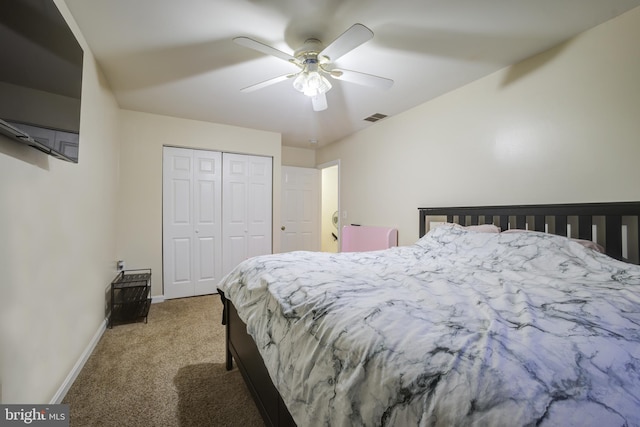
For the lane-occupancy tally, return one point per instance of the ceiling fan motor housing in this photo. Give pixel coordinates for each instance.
(310, 49)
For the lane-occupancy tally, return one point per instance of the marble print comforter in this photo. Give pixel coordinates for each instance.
(461, 328)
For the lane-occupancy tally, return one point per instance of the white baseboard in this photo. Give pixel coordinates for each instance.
(66, 384)
(157, 298)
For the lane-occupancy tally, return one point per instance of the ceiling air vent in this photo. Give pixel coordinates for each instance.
(375, 117)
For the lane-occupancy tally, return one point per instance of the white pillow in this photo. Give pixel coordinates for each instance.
(586, 243)
(483, 228)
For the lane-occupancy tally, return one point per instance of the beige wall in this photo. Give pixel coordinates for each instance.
(300, 157)
(560, 127)
(140, 192)
(57, 247)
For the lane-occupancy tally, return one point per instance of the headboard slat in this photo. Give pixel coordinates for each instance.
(613, 226)
(504, 222)
(585, 227)
(561, 225)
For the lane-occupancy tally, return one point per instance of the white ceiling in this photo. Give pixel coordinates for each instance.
(177, 58)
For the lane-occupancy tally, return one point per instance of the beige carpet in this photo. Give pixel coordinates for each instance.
(168, 372)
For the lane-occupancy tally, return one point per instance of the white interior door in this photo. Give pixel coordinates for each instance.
(191, 212)
(247, 208)
(300, 209)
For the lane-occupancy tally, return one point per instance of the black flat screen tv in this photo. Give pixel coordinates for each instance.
(40, 78)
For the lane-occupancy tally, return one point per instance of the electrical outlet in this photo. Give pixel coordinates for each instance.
(120, 265)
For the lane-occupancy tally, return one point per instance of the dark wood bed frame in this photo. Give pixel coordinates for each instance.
(607, 217)
(242, 348)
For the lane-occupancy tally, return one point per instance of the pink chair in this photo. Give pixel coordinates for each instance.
(360, 238)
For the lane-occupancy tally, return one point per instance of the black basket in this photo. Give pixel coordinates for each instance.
(130, 296)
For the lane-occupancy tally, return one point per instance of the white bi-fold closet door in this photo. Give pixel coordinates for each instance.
(216, 213)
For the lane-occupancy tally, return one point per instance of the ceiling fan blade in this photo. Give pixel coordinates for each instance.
(319, 102)
(347, 41)
(267, 83)
(361, 78)
(263, 48)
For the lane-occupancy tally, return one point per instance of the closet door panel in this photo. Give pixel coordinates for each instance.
(247, 188)
(181, 254)
(207, 221)
(234, 210)
(192, 254)
(260, 220)
(207, 252)
(177, 234)
(260, 205)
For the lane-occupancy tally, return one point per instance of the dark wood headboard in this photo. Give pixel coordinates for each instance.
(616, 224)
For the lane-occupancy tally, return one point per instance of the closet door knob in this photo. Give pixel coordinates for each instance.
(283, 228)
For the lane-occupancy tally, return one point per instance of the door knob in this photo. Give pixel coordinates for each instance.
(283, 228)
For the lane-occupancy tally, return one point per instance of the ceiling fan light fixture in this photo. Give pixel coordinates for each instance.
(310, 81)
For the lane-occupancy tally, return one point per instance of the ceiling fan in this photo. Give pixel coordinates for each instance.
(316, 63)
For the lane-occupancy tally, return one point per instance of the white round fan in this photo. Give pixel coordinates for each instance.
(316, 63)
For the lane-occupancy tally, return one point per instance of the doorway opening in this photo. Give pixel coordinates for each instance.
(330, 206)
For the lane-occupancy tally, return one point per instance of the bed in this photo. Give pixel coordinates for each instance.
(464, 327)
